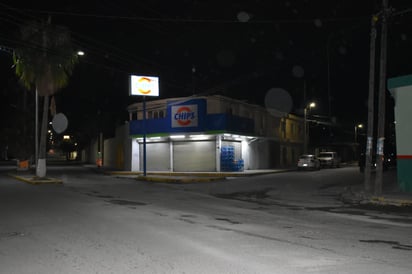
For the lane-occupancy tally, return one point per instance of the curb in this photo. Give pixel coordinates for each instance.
(36, 181)
(382, 201)
(164, 179)
(196, 174)
(361, 199)
(187, 177)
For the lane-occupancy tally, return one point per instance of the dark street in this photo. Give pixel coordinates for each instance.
(289, 222)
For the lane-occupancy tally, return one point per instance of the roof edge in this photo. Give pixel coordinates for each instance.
(400, 81)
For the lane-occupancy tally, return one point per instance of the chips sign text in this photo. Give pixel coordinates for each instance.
(184, 116)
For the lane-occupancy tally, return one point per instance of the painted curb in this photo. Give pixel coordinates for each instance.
(197, 174)
(34, 181)
(390, 202)
(187, 180)
(360, 199)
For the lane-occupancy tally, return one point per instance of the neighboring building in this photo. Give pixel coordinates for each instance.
(401, 89)
(210, 133)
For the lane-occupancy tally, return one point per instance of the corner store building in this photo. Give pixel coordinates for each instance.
(208, 133)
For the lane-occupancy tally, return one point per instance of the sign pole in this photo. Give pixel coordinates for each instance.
(144, 136)
(36, 130)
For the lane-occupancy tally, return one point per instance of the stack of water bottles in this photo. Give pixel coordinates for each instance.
(227, 159)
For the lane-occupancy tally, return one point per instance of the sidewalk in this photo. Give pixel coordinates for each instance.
(391, 195)
(29, 177)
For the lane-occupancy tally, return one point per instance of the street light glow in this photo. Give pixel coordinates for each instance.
(306, 130)
(356, 131)
(80, 53)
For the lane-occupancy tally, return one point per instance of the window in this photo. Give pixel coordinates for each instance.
(133, 115)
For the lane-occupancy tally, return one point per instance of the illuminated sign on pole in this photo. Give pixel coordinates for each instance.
(144, 85)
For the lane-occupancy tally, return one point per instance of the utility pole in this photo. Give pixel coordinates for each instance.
(329, 80)
(369, 139)
(305, 131)
(36, 130)
(306, 128)
(382, 100)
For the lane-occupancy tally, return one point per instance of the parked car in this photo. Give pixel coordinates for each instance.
(329, 159)
(308, 161)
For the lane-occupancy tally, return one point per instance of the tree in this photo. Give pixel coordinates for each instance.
(45, 61)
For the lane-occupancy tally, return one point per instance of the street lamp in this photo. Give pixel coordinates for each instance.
(356, 131)
(306, 131)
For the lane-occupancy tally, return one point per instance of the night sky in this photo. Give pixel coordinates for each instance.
(240, 49)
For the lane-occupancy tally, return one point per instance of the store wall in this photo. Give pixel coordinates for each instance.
(263, 154)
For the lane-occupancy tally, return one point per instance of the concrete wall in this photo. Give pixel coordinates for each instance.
(89, 154)
(117, 150)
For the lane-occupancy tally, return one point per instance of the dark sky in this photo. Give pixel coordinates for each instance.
(240, 49)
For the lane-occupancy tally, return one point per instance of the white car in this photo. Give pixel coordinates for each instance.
(308, 161)
(329, 159)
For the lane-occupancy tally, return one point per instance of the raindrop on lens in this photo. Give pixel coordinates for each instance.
(278, 101)
(243, 17)
(298, 71)
(318, 23)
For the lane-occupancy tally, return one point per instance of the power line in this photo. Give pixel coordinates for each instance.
(186, 20)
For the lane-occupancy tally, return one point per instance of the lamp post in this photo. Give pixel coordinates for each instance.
(306, 131)
(356, 131)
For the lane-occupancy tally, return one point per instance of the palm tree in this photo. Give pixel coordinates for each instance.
(45, 61)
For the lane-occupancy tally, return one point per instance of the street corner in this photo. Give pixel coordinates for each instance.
(361, 199)
(33, 180)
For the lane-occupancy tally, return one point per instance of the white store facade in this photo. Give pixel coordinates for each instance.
(210, 133)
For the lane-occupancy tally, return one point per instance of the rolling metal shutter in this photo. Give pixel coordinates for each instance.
(157, 157)
(194, 156)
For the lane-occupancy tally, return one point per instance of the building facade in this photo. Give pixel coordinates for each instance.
(208, 133)
(401, 90)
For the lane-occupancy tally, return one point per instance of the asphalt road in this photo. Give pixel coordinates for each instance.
(279, 223)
